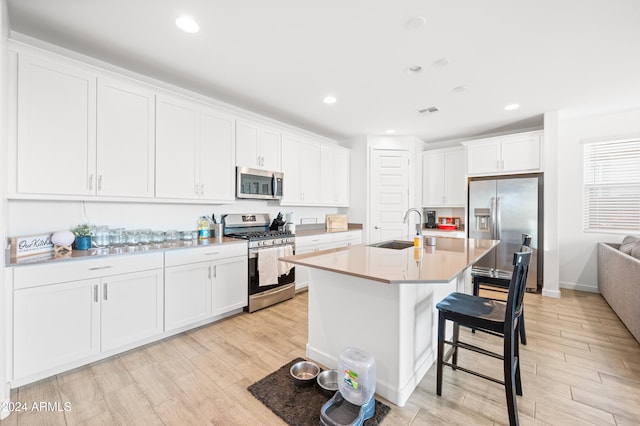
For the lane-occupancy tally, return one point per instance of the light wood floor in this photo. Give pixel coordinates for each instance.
(581, 366)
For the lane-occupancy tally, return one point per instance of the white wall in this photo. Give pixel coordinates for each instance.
(4, 85)
(577, 249)
(33, 217)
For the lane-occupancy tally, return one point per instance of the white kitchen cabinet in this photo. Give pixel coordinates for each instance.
(194, 151)
(334, 175)
(443, 177)
(56, 131)
(516, 153)
(132, 308)
(302, 171)
(55, 325)
(347, 238)
(257, 146)
(203, 282)
(125, 139)
(67, 312)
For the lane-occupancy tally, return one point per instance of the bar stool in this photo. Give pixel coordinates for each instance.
(499, 283)
(493, 317)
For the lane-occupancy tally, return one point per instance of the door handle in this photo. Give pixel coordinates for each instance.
(274, 185)
(498, 230)
(105, 293)
(493, 217)
(376, 227)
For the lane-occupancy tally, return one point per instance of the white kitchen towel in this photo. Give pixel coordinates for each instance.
(284, 267)
(268, 266)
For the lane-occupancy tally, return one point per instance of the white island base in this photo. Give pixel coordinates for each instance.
(397, 324)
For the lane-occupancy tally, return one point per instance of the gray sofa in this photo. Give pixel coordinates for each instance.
(619, 284)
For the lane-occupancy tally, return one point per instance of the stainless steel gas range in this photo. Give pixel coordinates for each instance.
(270, 281)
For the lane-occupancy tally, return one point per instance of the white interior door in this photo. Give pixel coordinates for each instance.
(389, 194)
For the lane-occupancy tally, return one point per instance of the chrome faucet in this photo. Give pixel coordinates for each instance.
(419, 224)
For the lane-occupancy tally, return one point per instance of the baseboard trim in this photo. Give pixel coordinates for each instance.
(579, 287)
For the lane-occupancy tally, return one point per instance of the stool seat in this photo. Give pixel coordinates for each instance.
(479, 312)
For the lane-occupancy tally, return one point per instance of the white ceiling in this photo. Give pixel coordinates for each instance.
(281, 57)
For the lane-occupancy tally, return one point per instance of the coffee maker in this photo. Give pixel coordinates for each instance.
(431, 219)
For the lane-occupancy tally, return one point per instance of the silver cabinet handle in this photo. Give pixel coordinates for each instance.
(91, 182)
(99, 267)
(105, 293)
(95, 293)
(99, 182)
(195, 189)
(202, 189)
(215, 271)
(212, 253)
(209, 272)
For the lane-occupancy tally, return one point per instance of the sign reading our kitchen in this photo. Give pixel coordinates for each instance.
(29, 245)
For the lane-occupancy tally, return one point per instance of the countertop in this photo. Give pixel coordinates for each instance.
(116, 251)
(322, 230)
(431, 264)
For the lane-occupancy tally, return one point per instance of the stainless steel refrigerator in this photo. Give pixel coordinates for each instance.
(503, 209)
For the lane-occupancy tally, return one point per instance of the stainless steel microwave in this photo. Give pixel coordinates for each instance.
(258, 184)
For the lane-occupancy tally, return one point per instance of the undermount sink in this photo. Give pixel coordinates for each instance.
(393, 244)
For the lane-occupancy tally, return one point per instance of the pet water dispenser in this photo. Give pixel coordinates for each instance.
(353, 403)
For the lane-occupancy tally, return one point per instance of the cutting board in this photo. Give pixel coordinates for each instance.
(337, 222)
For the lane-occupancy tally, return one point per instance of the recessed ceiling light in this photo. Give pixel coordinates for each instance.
(415, 69)
(187, 24)
(390, 131)
(415, 23)
(441, 63)
(511, 107)
(459, 89)
(329, 100)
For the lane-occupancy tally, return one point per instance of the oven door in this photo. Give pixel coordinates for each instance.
(254, 276)
(258, 184)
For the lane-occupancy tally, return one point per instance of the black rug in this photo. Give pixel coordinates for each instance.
(299, 405)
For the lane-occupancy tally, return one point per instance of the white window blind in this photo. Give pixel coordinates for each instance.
(612, 186)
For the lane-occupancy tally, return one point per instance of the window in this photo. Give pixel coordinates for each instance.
(612, 186)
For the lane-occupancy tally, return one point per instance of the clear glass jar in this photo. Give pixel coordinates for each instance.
(101, 237)
(116, 237)
(157, 237)
(187, 235)
(144, 236)
(131, 238)
(171, 236)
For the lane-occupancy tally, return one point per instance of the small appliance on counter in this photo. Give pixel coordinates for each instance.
(431, 219)
(353, 403)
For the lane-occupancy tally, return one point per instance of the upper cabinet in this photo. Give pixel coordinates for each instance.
(301, 170)
(194, 151)
(125, 139)
(334, 175)
(443, 178)
(56, 150)
(257, 146)
(517, 153)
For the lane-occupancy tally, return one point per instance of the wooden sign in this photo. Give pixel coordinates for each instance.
(30, 245)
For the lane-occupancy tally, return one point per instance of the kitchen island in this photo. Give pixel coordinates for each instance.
(382, 300)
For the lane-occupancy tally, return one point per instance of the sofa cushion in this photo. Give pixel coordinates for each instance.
(635, 251)
(628, 244)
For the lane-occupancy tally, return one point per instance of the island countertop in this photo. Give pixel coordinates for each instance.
(430, 264)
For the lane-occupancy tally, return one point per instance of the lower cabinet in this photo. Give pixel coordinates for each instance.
(200, 290)
(58, 324)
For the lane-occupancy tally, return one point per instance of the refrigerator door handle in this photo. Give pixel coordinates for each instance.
(498, 230)
(493, 218)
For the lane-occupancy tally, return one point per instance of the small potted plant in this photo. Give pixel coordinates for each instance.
(83, 236)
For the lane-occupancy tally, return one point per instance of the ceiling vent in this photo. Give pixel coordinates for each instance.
(429, 110)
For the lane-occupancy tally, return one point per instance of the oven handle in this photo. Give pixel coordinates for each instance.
(253, 253)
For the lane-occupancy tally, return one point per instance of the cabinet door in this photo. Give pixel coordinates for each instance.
(176, 149)
(454, 178)
(55, 325)
(217, 156)
(310, 173)
(56, 128)
(433, 167)
(125, 140)
(341, 170)
(521, 153)
(269, 150)
(292, 190)
(327, 175)
(187, 292)
(230, 289)
(247, 145)
(483, 157)
(132, 308)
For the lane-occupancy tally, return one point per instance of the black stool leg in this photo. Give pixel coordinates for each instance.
(510, 378)
(456, 334)
(441, 328)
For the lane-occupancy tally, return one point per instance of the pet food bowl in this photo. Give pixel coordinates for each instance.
(328, 381)
(304, 373)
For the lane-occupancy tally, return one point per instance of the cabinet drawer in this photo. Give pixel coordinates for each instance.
(347, 237)
(313, 240)
(203, 254)
(37, 275)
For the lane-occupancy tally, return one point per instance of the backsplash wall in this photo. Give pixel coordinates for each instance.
(34, 217)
